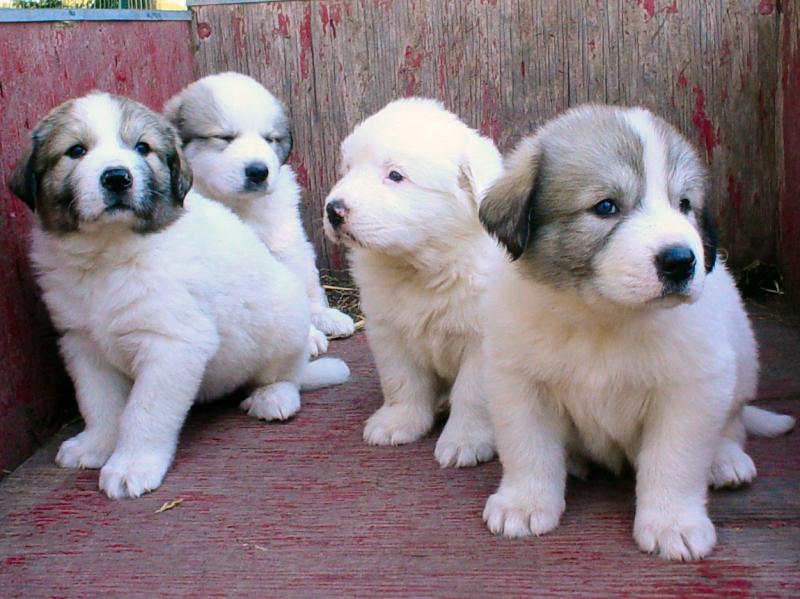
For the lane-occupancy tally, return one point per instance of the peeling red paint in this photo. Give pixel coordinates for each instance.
(282, 29)
(330, 16)
(302, 174)
(592, 47)
(306, 42)
(766, 7)
(522, 68)
(490, 111)
(649, 7)
(682, 83)
(203, 30)
(412, 61)
(672, 9)
(735, 197)
(441, 68)
(705, 128)
(238, 33)
(724, 52)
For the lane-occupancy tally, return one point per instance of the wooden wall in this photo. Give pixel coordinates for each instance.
(505, 66)
(41, 65)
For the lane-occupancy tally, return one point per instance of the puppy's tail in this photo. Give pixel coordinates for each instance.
(324, 372)
(764, 423)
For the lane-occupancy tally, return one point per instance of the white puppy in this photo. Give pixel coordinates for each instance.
(616, 335)
(158, 304)
(407, 207)
(237, 138)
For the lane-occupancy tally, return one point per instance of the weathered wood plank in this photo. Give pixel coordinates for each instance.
(505, 66)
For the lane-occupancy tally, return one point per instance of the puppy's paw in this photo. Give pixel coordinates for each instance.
(279, 401)
(88, 449)
(131, 474)
(681, 537)
(333, 323)
(514, 514)
(317, 342)
(397, 425)
(464, 444)
(732, 467)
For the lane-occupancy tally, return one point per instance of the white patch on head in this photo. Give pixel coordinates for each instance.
(626, 270)
(445, 167)
(102, 114)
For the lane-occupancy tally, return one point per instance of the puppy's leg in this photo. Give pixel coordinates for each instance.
(168, 377)
(317, 342)
(530, 438)
(101, 392)
(409, 394)
(277, 396)
(467, 438)
(328, 320)
(679, 439)
(732, 467)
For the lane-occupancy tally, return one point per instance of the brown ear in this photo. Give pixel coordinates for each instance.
(180, 172)
(506, 210)
(23, 180)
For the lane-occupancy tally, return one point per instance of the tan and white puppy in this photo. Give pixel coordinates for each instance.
(237, 138)
(407, 207)
(162, 298)
(616, 335)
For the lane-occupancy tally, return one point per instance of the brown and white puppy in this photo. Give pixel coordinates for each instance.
(615, 334)
(162, 298)
(237, 137)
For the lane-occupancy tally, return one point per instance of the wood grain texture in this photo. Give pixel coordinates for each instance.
(41, 65)
(306, 509)
(506, 66)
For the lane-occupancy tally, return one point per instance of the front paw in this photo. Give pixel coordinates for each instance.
(515, 514)
(317, 342)
(333, 323)
(397, 425)
(131, 474)
(681, 537)
(464, 443)
(89, 449)
(279, 401)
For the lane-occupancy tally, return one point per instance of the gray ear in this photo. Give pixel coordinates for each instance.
(284, 145)
(506, 210)
(23, 182)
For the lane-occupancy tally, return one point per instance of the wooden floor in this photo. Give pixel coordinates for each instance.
(305, 509)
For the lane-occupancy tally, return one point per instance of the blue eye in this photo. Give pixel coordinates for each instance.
(143, 148)
(605, 207)
(395, 176)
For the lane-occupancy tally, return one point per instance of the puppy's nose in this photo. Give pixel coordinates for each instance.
(116, 179)
(257, 172)
(675, 264)
(337, 212)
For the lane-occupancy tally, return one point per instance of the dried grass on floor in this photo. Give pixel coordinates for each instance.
(343, 295)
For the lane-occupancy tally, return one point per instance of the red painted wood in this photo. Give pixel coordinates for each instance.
(790, 196)
(306, 509)
(41, 65)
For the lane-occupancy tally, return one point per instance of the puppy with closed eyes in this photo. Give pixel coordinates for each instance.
(406, 206)
(237, 139)
(161, 298)
(615, 334)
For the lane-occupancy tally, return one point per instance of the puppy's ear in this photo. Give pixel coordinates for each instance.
(23, 182)
(710, 237)
(172, 109)
(285, 146)
(480, 166)
(180, 172)
(506, 210)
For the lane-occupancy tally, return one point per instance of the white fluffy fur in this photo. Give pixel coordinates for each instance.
(248, 111)
(420, 259)
(153, 322)
(606, 374)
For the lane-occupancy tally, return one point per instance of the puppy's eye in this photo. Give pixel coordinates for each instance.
(607, 207)
(685, 205)
(395, 176)
(226, 138)
(76, 151)
(143, 148)
(270, 139)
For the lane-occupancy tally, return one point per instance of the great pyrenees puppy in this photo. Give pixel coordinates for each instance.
(616, 334)
(406, 206)
(161, 298)
(237, 139)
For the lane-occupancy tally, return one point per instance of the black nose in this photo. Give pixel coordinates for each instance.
(675, 264)
(337, 212)
(116, 179)
(257, 172)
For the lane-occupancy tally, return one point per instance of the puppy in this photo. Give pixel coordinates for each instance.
(407, 208)
(160, 302)
(616, 334)
(237, 139)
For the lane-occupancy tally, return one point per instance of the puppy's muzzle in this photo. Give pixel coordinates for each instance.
(337, 212)
(256, 173)
(116, 180)
(675, 265)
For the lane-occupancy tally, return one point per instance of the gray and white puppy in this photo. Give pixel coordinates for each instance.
(237, 138)
(615, 334)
